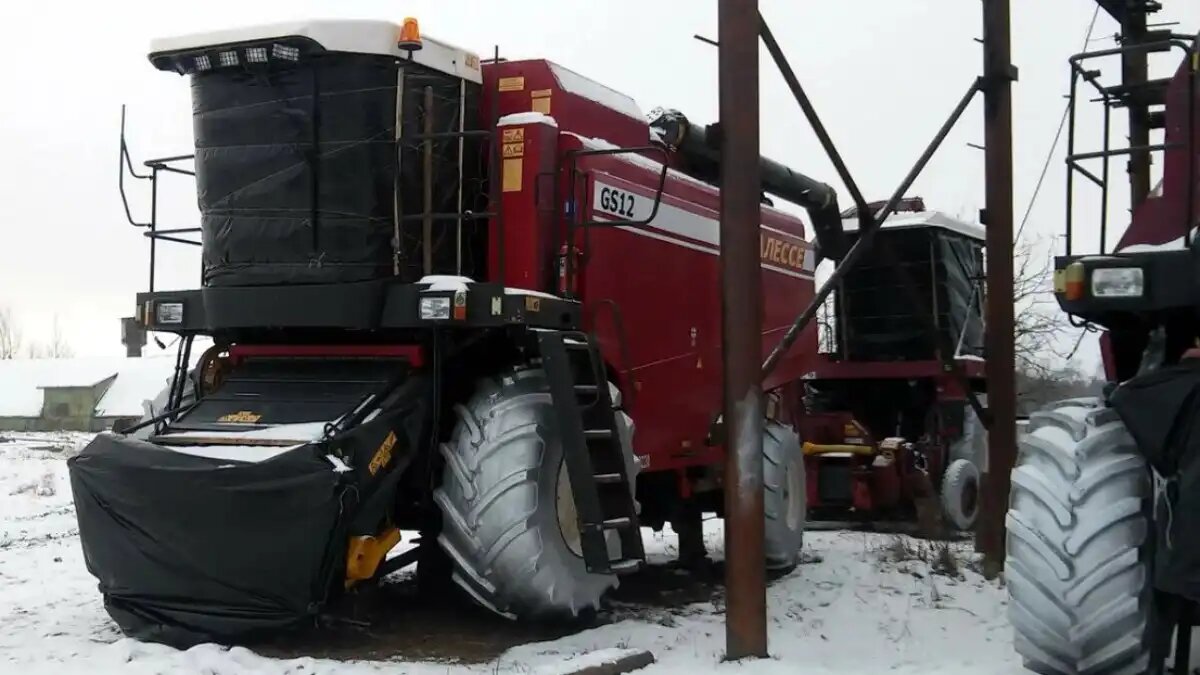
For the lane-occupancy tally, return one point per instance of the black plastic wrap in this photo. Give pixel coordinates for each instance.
(1161, 409)
(296, 167)
(877, 320)
(190, 549)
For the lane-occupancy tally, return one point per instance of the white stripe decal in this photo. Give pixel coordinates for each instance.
(647, 232)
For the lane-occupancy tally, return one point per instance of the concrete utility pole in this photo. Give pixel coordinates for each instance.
(741, 330)
(999, 74)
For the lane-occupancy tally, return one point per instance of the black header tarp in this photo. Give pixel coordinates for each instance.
(1161, 409)
(190, 549)
(877, 321)
(299, 174)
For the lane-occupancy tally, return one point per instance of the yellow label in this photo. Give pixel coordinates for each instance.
(781, 253)
(541, 100)
(514, 149)
(383, 455)
(533, 304)
(472, 61)
(513, 135)
(512, 84)
(513, 168)
(240, 417)
(849, 429)
(1060, 281)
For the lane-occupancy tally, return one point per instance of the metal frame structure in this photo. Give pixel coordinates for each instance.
(740, 25)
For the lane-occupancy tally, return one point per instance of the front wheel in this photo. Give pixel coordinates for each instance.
(1077, 564)
(509, 523)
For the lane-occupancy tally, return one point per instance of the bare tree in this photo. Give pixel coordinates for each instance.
(58, 348)
(1038, 324)
(10, 335)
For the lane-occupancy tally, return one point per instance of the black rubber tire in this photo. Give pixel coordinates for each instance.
(960, 495)
(1077, 566)
(499, 503)
(785, 497)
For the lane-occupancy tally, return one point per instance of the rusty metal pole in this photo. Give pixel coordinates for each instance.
(741, 330)
(999, 74)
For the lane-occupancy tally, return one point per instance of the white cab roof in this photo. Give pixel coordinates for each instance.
(340, 35)
(909, 220)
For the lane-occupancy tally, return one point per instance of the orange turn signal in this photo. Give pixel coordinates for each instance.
(1073, 278)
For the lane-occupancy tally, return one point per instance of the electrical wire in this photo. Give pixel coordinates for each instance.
(1057, 137)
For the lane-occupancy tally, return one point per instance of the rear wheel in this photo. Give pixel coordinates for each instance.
(508, 516)
(1078, 561)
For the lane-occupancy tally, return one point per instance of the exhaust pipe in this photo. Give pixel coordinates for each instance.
(700, 148)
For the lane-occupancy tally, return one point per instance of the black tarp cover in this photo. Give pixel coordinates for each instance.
(1161, 409)
(297, 168)
(877, 320)
(190, 549)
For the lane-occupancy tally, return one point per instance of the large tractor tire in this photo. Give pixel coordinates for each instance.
(785, 497)
(508, 516)
(1078, 536)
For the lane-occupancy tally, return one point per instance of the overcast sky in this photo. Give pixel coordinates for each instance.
(883, 74)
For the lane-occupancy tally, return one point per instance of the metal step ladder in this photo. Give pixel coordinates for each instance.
(592, 451)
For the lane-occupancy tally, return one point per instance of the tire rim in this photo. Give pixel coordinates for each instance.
(970, 498)
(793, 496)
(568, 517)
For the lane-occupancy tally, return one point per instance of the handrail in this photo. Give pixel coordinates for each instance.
(1108, 98)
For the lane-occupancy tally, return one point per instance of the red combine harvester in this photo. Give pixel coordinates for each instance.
(887, 427)
(441, 292)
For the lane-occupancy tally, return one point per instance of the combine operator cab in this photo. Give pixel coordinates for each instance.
(887, 425)
(1102, 562)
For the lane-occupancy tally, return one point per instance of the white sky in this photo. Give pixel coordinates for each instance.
(882, 73)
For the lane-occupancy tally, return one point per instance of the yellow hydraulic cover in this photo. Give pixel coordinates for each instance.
(364, 554)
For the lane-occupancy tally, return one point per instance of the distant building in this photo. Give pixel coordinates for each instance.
(79, 394)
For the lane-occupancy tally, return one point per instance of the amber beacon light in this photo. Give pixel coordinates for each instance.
(410, 35)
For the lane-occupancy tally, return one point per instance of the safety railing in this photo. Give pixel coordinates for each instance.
(1128, 95)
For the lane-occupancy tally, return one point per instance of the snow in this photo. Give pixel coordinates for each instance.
(854, 607)
(907, 220)
(240, 453)
(1179, 244)
(527, 118)
(301, 431)
(579, 85)
(526, 291)
(439, 283)
(969, 357)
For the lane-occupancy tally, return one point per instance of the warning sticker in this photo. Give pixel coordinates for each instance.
(514, 150)
(512, 83)
(514, 135)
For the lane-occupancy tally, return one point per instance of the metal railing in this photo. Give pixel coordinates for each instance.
(1125, 95)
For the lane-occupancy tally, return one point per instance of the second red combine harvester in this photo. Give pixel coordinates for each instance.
(476, 300)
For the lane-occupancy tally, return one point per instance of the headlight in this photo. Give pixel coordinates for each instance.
(1118, 282)
(435, 308)
(168, 313)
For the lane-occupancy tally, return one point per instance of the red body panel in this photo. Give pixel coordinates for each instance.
(660, 282)
(1163, 218)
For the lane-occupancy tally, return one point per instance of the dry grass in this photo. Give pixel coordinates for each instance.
(942, 557)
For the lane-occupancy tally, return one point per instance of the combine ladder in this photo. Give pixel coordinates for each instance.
(592, 450)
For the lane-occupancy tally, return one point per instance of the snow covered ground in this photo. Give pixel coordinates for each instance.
(852, 608)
